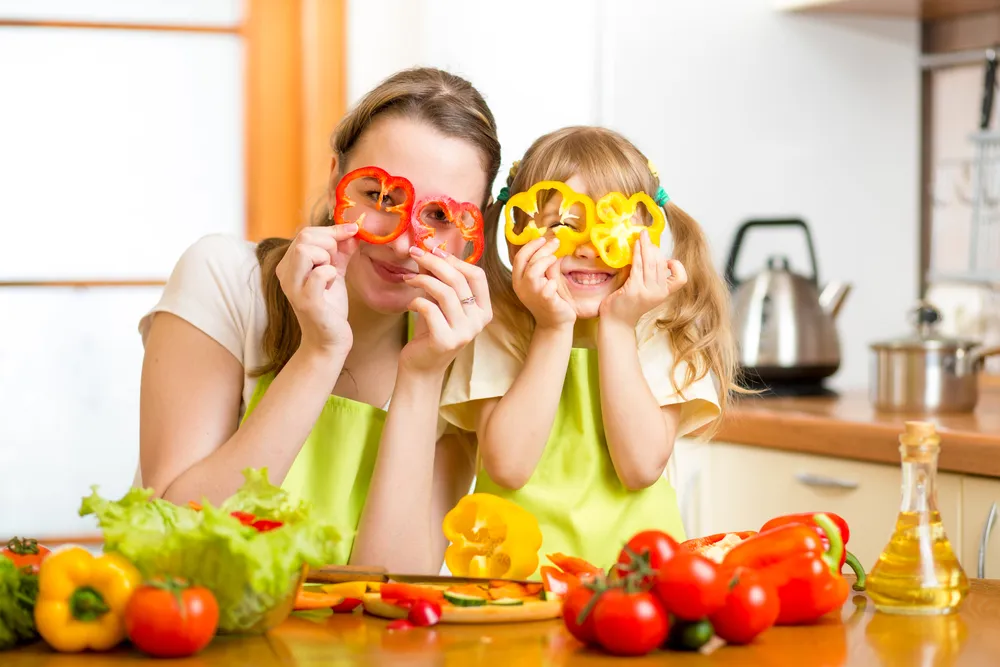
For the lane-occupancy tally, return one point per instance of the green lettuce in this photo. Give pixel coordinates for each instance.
(253, 575)
(18, 593)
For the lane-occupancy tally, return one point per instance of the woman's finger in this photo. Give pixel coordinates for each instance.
(302, 260)
(437, 263)
(476, 278)
(437, 325)
(678, 275)
(441, 293)
(321, 279)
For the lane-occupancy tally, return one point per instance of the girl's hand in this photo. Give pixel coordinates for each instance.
(311, 275)
(454, 309)
(536, 279)
(651, 281)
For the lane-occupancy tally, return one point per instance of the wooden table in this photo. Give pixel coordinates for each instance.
(859, 637)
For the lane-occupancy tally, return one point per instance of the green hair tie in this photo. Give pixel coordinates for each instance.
(504, 195)
(661, 197)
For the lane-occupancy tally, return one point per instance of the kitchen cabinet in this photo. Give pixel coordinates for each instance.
(918, 9)
(726, 487)
(979, 496)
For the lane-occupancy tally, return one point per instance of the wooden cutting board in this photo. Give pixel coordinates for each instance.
(531, 610)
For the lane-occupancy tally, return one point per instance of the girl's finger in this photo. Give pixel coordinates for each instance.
(649, 259)
(527, 251)
(437, 325)
(443, 294)
(540, 266)
(637, 274)
(678, 277)
(550, 289)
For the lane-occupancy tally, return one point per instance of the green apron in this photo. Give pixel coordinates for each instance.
(333, 470)
(582, 507)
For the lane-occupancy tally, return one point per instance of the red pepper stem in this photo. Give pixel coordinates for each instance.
(836, 543)
(859, 571)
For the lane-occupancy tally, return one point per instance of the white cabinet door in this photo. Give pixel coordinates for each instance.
(980, 498)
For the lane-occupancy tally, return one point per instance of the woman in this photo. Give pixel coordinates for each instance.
(286, 355)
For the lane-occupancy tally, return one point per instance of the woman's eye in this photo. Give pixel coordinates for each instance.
(373, 194)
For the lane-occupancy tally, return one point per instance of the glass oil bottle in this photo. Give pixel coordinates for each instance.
(918, 572)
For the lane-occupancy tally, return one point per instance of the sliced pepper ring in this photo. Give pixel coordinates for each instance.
(388, 183)
(453, 212)
(615, 235)
(569, 239)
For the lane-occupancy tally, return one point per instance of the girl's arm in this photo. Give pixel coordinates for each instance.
(416, 480)
(513, 429)
(640, 433)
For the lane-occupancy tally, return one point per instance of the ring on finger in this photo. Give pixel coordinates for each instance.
(468, 301)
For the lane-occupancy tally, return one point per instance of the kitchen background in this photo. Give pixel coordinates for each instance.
(128, 129)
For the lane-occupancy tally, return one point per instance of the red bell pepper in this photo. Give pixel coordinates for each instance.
(575, 566)
(845, 535)
(558, 582)
(452, 212)
(800, 565)
(401, 594)
(388, 184)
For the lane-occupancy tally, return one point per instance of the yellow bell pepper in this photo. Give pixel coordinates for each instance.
(614, 235)
(491, 537)
(527, 201)
(81, 599)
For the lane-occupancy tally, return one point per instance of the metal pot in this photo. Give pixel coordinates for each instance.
(926, 372)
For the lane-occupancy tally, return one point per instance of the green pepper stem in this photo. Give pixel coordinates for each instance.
(836, 549)
(87, 605)
(859, 571)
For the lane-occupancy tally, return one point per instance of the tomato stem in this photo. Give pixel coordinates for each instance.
(23, 547)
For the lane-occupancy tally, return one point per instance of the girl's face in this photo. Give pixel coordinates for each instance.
(585, 280)
(435, 164)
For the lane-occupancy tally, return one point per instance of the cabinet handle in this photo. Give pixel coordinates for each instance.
(826, 482)
(984, 541)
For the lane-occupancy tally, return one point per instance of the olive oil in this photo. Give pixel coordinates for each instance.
(918, 572)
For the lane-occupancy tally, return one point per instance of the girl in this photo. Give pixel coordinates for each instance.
(285, 355)
(589, 373)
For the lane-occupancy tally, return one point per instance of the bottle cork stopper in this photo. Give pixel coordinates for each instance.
(916, 429)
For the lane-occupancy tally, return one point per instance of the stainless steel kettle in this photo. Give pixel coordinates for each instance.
(783, 322)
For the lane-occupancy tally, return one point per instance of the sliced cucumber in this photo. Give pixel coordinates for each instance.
(549, 595)
(461, 600)
(507, 602)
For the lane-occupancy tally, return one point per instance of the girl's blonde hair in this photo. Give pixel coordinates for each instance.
(695, 318)
(446, 102)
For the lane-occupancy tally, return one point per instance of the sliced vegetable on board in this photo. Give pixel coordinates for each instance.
(82, 599)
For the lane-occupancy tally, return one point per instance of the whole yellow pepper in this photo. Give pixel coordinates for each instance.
(82, 599)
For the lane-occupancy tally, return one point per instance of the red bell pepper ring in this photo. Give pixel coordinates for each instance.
(578, 567)
(558, 582)
(845, 535)
(388, 183)
(699, 544)
(452, 211)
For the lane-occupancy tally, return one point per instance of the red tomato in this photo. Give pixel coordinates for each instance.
(751, 607)
(170, 619)
(629, 623)
(660, 547)
(573, 605)
(25, 552)
(690, 586)
(424, 613)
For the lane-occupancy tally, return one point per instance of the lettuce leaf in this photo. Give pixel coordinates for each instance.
(250, 573)
(18, 593)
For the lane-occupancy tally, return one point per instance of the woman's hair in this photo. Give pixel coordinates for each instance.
(446, 102)
(695, 318)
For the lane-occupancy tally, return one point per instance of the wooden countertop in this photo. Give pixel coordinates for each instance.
(859, 637)
(848, 427)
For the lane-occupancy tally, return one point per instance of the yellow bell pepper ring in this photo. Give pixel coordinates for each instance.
(491, 537)
(82, 598)
(527, 201)
(615, 235)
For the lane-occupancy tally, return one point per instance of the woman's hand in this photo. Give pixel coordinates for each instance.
(311, 275)
(454, 309)
(536, 279)
(651, 280)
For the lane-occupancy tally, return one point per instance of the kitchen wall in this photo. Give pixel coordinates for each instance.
(746, 111)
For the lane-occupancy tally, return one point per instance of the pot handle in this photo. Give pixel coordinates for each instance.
(979, 355)
(984, 541)
(734, 251)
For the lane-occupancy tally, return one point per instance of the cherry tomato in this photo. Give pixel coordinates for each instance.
(690, 586)
(25, 552)
(750, 608)
(573, 605)
(169, 619)
(629, 623)
(424, 613)
(660, 547)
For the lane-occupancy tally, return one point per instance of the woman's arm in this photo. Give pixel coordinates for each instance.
(189, 405)
(640, 433)
(415, 482)
(513, 430)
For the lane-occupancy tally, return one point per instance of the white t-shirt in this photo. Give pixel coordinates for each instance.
(216, 287)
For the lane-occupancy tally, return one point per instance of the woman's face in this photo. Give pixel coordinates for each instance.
(435, 164)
